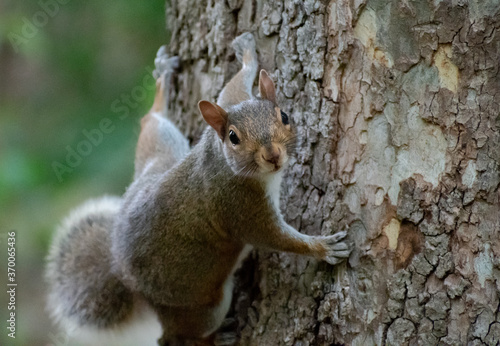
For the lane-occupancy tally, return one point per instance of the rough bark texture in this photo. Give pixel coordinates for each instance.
(397, 107)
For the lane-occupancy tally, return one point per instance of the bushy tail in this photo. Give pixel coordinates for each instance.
(86, 296)
(83, 291)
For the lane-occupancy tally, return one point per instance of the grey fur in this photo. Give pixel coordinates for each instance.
(83, 289)
(182, 231)
(179, 233)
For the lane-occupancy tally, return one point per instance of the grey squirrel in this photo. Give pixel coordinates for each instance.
(175, 239)
(86, 296)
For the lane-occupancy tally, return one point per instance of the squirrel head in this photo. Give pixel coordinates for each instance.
(256, 135)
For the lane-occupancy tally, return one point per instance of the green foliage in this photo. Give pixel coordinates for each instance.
(61, 79)
(62, 68)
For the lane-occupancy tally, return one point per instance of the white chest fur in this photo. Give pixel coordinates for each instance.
(272, 185)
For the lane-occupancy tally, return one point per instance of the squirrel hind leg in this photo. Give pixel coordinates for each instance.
(160, 141)
(195, 325)
(245, 49)
(165, 68)
(165, 63)
(239, 88)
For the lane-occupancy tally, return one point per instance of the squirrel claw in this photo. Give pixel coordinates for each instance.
(336, 250)
(336, 256)
(333, 260)
(334, 238)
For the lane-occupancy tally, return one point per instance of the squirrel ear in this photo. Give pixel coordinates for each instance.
(215, 116)
(266, 87)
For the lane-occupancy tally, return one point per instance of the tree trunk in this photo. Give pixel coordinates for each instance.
(397, 108)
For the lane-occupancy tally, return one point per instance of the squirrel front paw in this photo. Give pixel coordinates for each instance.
(336, 249)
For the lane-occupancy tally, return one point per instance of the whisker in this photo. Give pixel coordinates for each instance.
(290, 144)
(250, 169)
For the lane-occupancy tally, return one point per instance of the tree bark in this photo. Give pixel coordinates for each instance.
(397, 109)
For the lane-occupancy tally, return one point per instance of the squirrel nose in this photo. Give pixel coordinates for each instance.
(272, 155)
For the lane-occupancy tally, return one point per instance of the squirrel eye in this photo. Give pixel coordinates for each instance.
(284, 118)
(233, 138)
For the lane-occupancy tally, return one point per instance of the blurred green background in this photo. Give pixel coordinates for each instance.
(64, 65)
